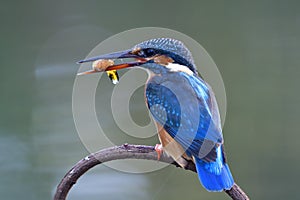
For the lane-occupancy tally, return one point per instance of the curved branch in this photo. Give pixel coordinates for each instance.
(125, 151)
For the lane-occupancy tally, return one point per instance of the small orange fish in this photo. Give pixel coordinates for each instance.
(101, 66)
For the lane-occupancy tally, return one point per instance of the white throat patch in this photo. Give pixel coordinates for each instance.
(174, 67)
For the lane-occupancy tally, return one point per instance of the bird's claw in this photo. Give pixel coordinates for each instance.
(159, 150)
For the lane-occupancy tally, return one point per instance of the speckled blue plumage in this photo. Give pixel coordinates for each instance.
(165, 91)
(189, 128)
(186, 107)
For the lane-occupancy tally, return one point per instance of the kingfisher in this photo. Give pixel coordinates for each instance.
(183, 106)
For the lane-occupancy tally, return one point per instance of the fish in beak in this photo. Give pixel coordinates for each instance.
(106, 62)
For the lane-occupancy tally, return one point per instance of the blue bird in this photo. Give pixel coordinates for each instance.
(183, 106)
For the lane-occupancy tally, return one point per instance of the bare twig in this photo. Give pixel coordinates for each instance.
(125, 151)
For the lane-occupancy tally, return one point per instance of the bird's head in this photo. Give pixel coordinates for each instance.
(158, 55)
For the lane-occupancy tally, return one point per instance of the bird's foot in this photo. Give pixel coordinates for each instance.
(159, 150)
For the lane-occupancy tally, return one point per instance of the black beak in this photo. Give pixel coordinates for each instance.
(115, 55)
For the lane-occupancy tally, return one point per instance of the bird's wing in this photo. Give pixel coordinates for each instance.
(185, 108)
(204, 92)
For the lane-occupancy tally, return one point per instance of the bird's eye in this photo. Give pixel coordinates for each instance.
(150, 52)
(145, 53)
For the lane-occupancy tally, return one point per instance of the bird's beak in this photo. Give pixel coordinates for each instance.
(116, 55)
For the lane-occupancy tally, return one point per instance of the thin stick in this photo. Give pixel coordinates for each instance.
(126, 151)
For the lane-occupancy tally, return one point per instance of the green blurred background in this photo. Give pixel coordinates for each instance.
(255, 45)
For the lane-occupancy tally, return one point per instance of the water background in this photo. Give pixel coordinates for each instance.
(255, 45)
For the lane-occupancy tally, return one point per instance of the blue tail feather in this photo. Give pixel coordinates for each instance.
(214, 176)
